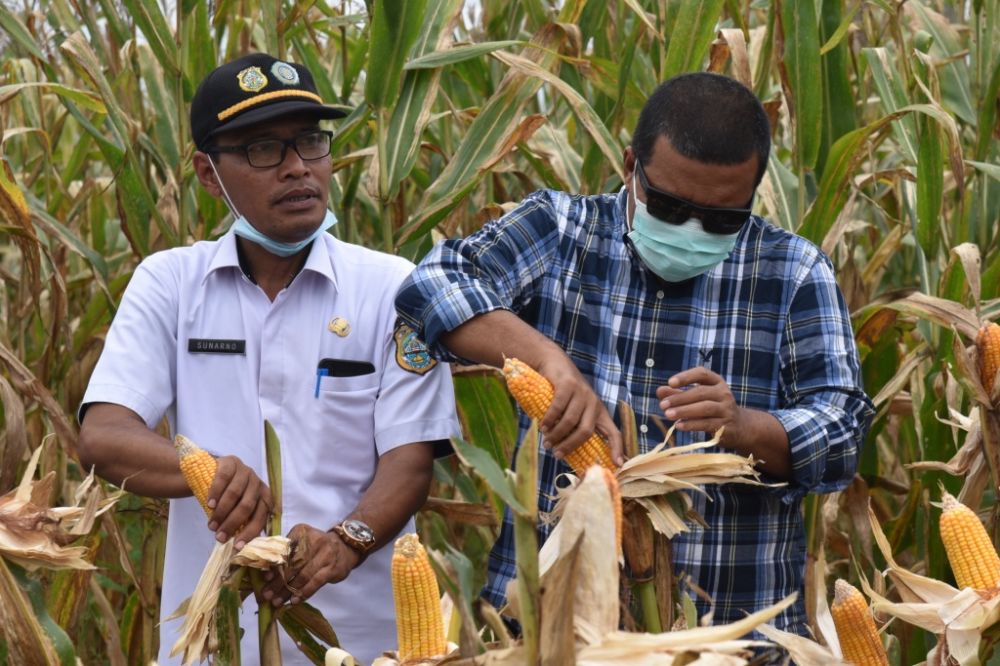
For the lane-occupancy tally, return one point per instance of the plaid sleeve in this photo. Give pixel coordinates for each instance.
(496, 268)
(826, 413)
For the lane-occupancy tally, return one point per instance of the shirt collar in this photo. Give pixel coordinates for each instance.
(320, 259)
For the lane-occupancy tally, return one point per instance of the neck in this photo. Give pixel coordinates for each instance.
(269, 271)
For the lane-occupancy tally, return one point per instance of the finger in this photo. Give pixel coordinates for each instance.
(565, 430)
(695, 375)
(555, 411)
(703, 409)
(224, 471)
(616, 443)
(227, 499)
(254, 526)
(666, 391)
(244, 508)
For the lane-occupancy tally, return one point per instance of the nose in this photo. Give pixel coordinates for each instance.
(292, 166)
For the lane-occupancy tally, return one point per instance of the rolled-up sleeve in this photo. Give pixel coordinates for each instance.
(825, 412)
(498, 267)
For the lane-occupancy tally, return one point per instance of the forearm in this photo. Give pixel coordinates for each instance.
(400, 487)
(489, 337)
(761, 435)
(115, 441)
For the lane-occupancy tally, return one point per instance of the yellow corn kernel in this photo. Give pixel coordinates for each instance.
(419, 623)
(534, 393)
(859, 639)
(198, 467)
(988, 351)
(970, 551)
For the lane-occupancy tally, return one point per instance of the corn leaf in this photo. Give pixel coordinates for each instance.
(690, 37)
(272, 452)
(494, 476)
(16, 30)
(456, 54)
(804, 77)
(412, 109)
(394, 28)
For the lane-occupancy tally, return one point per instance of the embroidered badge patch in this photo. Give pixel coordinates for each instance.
(411, 352)
(285, 73)
(251, 79)
(340, 326)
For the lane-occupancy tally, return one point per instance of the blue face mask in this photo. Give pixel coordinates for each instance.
(243, 228)
(676, 252)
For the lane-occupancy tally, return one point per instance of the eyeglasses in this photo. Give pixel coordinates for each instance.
(271, 152)
(674, 210)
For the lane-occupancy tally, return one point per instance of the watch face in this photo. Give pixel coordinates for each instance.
(358, 530)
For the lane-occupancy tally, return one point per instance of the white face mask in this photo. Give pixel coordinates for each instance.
(243, 228)
(676, 252)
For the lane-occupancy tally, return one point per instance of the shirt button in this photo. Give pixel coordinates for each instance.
(644, 428)
(659, 294)
(649, 363)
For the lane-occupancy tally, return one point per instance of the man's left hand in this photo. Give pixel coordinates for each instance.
(699, 400)
(318, 558)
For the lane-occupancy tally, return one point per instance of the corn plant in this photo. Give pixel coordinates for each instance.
(885, 155)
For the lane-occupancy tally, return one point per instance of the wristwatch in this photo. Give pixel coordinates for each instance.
(356, 534)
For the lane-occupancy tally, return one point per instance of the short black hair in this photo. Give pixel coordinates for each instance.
(707, 117)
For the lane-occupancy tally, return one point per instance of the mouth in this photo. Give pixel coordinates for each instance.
(297, 196)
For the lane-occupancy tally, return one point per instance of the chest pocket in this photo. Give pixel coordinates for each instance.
(358, 383)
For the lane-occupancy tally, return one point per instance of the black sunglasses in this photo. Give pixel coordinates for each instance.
(674, 210)
(266, 153)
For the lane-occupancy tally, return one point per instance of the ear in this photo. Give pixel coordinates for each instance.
(206, 174)
(628, 162)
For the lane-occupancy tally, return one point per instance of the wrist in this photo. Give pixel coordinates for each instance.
(357, 535)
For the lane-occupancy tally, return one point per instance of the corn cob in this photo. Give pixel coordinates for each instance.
(855, 625)
(198, 467)
(970, 551)
(616, 501)
(534, 393)
(419, 623)
(988, 351)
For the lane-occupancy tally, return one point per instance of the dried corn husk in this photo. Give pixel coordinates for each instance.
(588, 511)
(33, 535)
(803, 651)
(195, 637)
(651, 479)
(960, 616)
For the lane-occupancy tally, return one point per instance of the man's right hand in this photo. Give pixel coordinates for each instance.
(576, 411)
(240, 502)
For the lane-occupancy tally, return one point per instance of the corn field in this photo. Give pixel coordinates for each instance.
(885, 154)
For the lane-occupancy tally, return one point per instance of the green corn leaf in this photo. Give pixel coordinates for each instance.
(413, 108)
(892, 94)
(17, 31)
(802, 64)
(450, 56)
(394, 28)
(691, 36)
(82, 98)
(149, 18)
(272, 452)
(494, 475)
(930, 185)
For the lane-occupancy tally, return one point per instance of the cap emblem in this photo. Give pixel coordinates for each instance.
(285, 73)
(251, 79)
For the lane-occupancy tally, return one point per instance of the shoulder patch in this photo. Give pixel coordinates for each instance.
(411, 352)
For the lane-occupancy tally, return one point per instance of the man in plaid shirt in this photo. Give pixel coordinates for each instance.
(670, 295)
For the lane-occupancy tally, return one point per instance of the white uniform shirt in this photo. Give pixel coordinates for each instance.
(332, 431)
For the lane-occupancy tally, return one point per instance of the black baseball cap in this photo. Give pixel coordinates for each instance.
(250, 90)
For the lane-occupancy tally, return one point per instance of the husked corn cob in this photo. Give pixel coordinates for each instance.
(970, 551)
(855, 625)
(419, 624)
(198, 467)
(988, 350)
(534, 393)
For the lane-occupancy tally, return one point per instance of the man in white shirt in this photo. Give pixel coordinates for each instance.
(277, 320)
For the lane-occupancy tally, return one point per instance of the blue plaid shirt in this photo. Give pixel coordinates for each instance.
(770, 320)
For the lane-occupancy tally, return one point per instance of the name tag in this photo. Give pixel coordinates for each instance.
(210, 346)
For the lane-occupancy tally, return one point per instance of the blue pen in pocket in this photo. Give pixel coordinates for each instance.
(320, 374)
